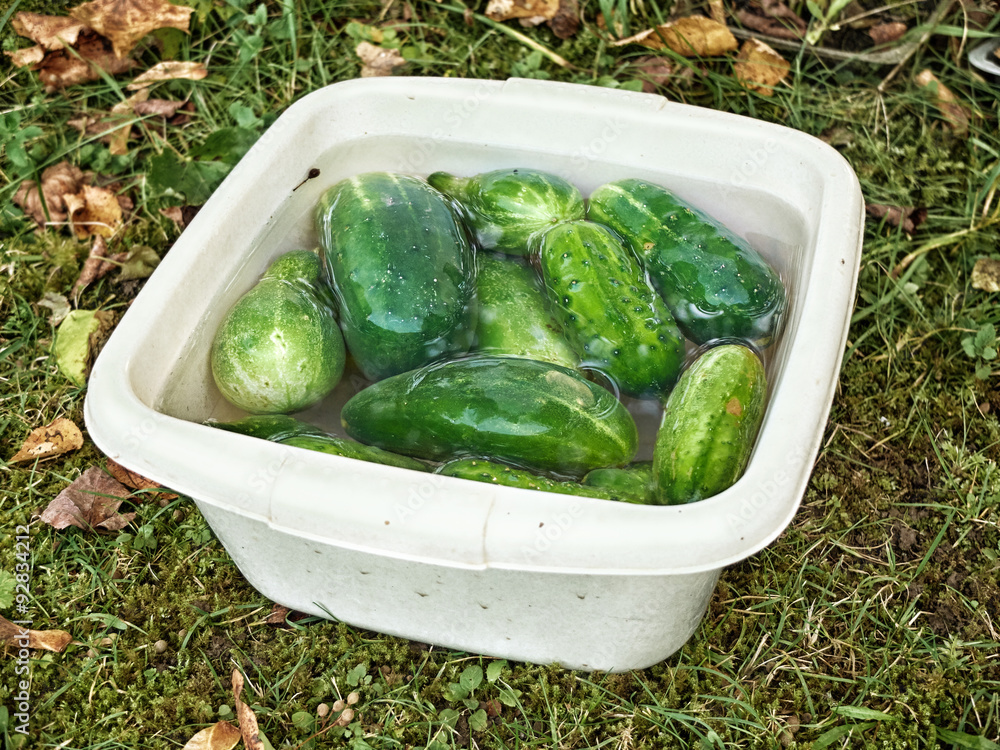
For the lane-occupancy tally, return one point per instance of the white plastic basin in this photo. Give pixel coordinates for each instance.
(525, 575)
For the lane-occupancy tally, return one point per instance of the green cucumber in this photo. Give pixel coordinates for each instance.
(514, 318)
(507, 209)
(519, 411)
(336, 446)
(709, 425)
(608, 309)
(634, 481)
(402, 270)
(274, 427)
(491, 472)
(297, 265)
(278, 349)
(714, 283)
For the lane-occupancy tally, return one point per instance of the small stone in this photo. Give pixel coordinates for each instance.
(986, 275)
(353, 698)
(786, 738)
(181, 634)
(160, 646)
(163, 502)
(178, 515)
(322, 710)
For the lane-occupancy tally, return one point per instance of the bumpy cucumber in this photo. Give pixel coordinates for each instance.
(524, 412)
(336, 446)
(608, 309)
(716, 285)
(402, 270)
(278, 348)
(275, 427)
(508, 208)
(297, 265)
(709, 425)
(514, 317)
(491, 472)
(635, 481)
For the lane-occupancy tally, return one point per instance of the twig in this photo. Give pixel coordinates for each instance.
(939, 14)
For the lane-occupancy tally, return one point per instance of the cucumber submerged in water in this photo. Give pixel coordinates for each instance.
(491, 472)
(402, 270)
(709, 425)
(713, 282)
(608, 309)
(524, 412)
(278, 348)
(507, 209)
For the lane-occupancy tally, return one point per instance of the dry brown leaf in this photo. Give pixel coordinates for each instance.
(94, 211)
(96, 266)
(125, 22)
(58, 182)
(161, 107)
(759, 68)
(168, 71)
(48, 32)
(60, 69)
(566, 21)
(770, 26)
(245, 715)
(278, 615)
(90, 501)
(376, 61)
(26, 56)
(654, 71)
(691, 36)
(54, 439)
(505, 10)
(986, 275)
(717, 11)
(136, 481)
(906, 217)
(220, 736)
(46, 640)
(954, 113)
(883, 33)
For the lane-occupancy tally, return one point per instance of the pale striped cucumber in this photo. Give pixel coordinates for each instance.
(507, 209)
(614, 318)
(709, 425)
(634, 481)
(519, 411)
(714, 283)
(514, 316)
(402, 270)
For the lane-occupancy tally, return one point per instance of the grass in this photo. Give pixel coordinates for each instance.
(871, 622)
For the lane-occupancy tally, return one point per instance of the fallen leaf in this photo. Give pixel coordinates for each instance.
(93, 55)
(78, 339)
(168, 71)
(94, 211)
(48, 32)
(883, 33)
(986, 275)
(220, 736)
(26, 56)
(717, 11)
(278, 615)
(655, 71)
(770, 26)
(691, 36)
(127, 106)
(134, 480)
(47, 640)
(125, 22)
(54, 439)
(58, 304)
(90, 502)
(907, 218)
(954, 113)
(376, 61)
(505, 10)
(566, 21)
(175, 214)
(245, 715)
(96, 266)
(161, 107)
(58, 182)
(759, 68)
(138, 263)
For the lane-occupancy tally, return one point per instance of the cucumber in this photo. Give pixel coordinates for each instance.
(713, 282)
(608, 309)
(402, 270)
(297, 265)
(514, 317)
(278, 349)
(531, 414)
(507, 209)
(480, 470)
(709, 425)
(275, 427)
(634, 481)
(336, 446)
